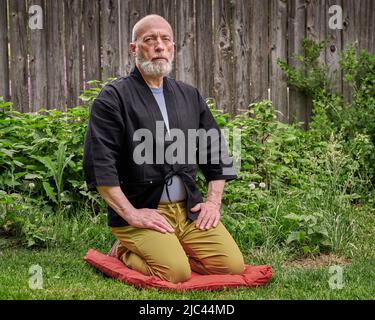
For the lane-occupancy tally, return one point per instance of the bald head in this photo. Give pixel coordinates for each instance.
(148, 22)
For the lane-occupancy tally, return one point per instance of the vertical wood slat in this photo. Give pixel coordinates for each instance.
(241, 52)
(4, 57)
(349, 35)
(185, 40)
(365, 33)
(204, 47)
(296, 32)
(130, 13)
(91, 40)
(18, 47)
(333, 50)
(110, 38)
(223, 56)
(73, 45)
(278, 83)
(259, 50)
(56, 93)
(316, 23)
(37, 64)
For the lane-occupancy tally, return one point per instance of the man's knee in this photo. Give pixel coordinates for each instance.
(177, 272)
(234, 265)
(226, 264)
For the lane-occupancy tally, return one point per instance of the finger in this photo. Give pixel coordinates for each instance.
(201, 216)
(165, 227)
(164, 223)
(196, 207)
(204, 220)
(216, 221)
(210, 222)
(159, 217)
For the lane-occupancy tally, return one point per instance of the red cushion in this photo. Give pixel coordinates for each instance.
(112, 267)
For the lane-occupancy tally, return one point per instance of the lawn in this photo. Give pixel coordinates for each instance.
(67, 276)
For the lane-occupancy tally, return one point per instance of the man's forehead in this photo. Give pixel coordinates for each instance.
(154, 26)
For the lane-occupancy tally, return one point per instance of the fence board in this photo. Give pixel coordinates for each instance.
(333, 49)
(316, 23)
(18, 48)
(56, 94)
(365, 33)
(130, 13)
(278, 84)
(185, 42)
(204, 47)
(37, 65)
(4, 57)
(241, 52)
(110, 38)
(223, 59)
(349, 35)
(297, 31)
(259, 50)
(73, 46)
(91, 40)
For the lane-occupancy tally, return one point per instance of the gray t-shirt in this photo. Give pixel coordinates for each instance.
(176, 190)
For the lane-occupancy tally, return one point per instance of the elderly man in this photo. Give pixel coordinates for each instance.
(155, 210)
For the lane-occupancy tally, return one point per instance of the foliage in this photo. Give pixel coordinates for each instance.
(296, 189)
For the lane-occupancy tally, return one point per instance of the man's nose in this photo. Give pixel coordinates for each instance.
(159, 45)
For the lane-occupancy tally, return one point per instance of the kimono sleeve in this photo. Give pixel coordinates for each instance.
(103, 141)
(212, 153)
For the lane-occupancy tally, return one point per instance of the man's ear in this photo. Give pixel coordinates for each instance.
(132, 48)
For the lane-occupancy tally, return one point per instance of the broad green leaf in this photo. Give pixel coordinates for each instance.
(49, 190)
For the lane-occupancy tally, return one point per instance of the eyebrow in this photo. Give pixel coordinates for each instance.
(155, 35)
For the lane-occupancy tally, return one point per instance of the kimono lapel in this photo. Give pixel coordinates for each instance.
(171, 104)
(170, 101)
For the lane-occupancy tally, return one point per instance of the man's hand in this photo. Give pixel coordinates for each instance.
(149, 219)
(208, 217)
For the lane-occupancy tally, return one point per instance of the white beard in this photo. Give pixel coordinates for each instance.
(159, 68)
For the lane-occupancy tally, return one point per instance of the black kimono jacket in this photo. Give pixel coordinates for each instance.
(122, 107)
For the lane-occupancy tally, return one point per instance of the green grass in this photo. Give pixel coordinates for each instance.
(67, 276)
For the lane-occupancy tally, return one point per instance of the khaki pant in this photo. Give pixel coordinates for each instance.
(172, 256)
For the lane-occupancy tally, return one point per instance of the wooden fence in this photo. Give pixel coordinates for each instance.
(226, 48)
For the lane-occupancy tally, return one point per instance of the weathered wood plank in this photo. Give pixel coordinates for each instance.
(37, 64)
(316, 23)
(259, 50)
(241, 52)
(130, 12)
(223, 56)
(297, 108)
(278, 30)
(333, 50)
(18, 62)
(91, 39)
(4, 57)
(185, 42)
(73, 45)
(56, 93)
(204, 48)
(110, 39)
